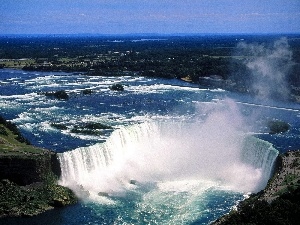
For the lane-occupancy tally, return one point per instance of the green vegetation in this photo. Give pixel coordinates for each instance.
(10, 145)
(288, 180)
(9, 133)
(190, 58)
(283, 210)
(28, 176)
(171, 57)
(3, 131)
(278, 203)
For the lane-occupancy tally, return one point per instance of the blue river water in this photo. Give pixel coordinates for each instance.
(175, 153)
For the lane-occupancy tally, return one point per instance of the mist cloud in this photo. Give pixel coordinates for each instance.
(269, 66)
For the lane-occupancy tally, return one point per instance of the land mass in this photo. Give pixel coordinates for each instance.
(209, 60)
(278, 203)
(28, 176)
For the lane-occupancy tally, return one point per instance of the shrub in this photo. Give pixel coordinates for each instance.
(3, 131)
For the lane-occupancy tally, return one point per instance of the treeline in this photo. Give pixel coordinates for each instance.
(159, 56)
(175, 65)
(14, 47)
(14, 129)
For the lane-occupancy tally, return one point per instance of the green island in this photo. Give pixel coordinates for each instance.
(28, 176)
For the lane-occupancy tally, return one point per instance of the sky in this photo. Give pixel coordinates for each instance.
(149, 16)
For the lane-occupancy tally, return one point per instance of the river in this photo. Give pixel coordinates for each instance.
(174, 153)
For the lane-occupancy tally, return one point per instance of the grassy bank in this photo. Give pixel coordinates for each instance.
(28, 176)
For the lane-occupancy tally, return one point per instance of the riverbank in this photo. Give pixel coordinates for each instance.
(278, 203)
(287, 179)
(28, 177)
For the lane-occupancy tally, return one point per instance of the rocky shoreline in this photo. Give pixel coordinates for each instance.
(278, 203)
(286, 179)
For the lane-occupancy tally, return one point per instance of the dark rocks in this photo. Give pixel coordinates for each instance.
(278, 203)
(103, 194)
(29, 186)
(277, 126)
(96, 126)
(27, 201)
(117, 87)
(59, 126)
(133, 182)
(90, 128)
(28, 168)
(62, 95)
(87, 92)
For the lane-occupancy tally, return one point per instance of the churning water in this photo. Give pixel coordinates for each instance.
(176, 154)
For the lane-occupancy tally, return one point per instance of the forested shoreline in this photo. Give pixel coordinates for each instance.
(162, 56)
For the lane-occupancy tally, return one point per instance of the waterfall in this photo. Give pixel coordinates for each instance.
(166, 151)
(81, 165)
(260, 154)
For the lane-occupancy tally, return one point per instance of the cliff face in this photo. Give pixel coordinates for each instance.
(28, 176)
(26, 169)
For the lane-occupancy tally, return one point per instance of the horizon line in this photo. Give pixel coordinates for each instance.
(151, 34)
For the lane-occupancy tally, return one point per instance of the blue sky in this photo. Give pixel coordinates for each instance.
(149, 16)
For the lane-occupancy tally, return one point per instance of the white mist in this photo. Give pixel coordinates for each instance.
(210, 150)
(269, 66)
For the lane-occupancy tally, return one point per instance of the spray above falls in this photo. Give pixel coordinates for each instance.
(269, 67)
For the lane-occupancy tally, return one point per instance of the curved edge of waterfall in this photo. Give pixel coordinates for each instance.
(236, 162)
(260, 154)
(142, 152)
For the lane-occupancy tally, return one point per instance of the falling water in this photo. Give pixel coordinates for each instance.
(171, 172)
(169, 151)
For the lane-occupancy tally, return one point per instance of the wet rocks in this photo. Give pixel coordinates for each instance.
(61, 95)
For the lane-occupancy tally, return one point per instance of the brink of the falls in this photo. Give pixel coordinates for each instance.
(160, 152)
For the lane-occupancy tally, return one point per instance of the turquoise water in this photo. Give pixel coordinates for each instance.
(175, 155)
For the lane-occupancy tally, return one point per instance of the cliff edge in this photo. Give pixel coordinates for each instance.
(278, 203)
(28, 176)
